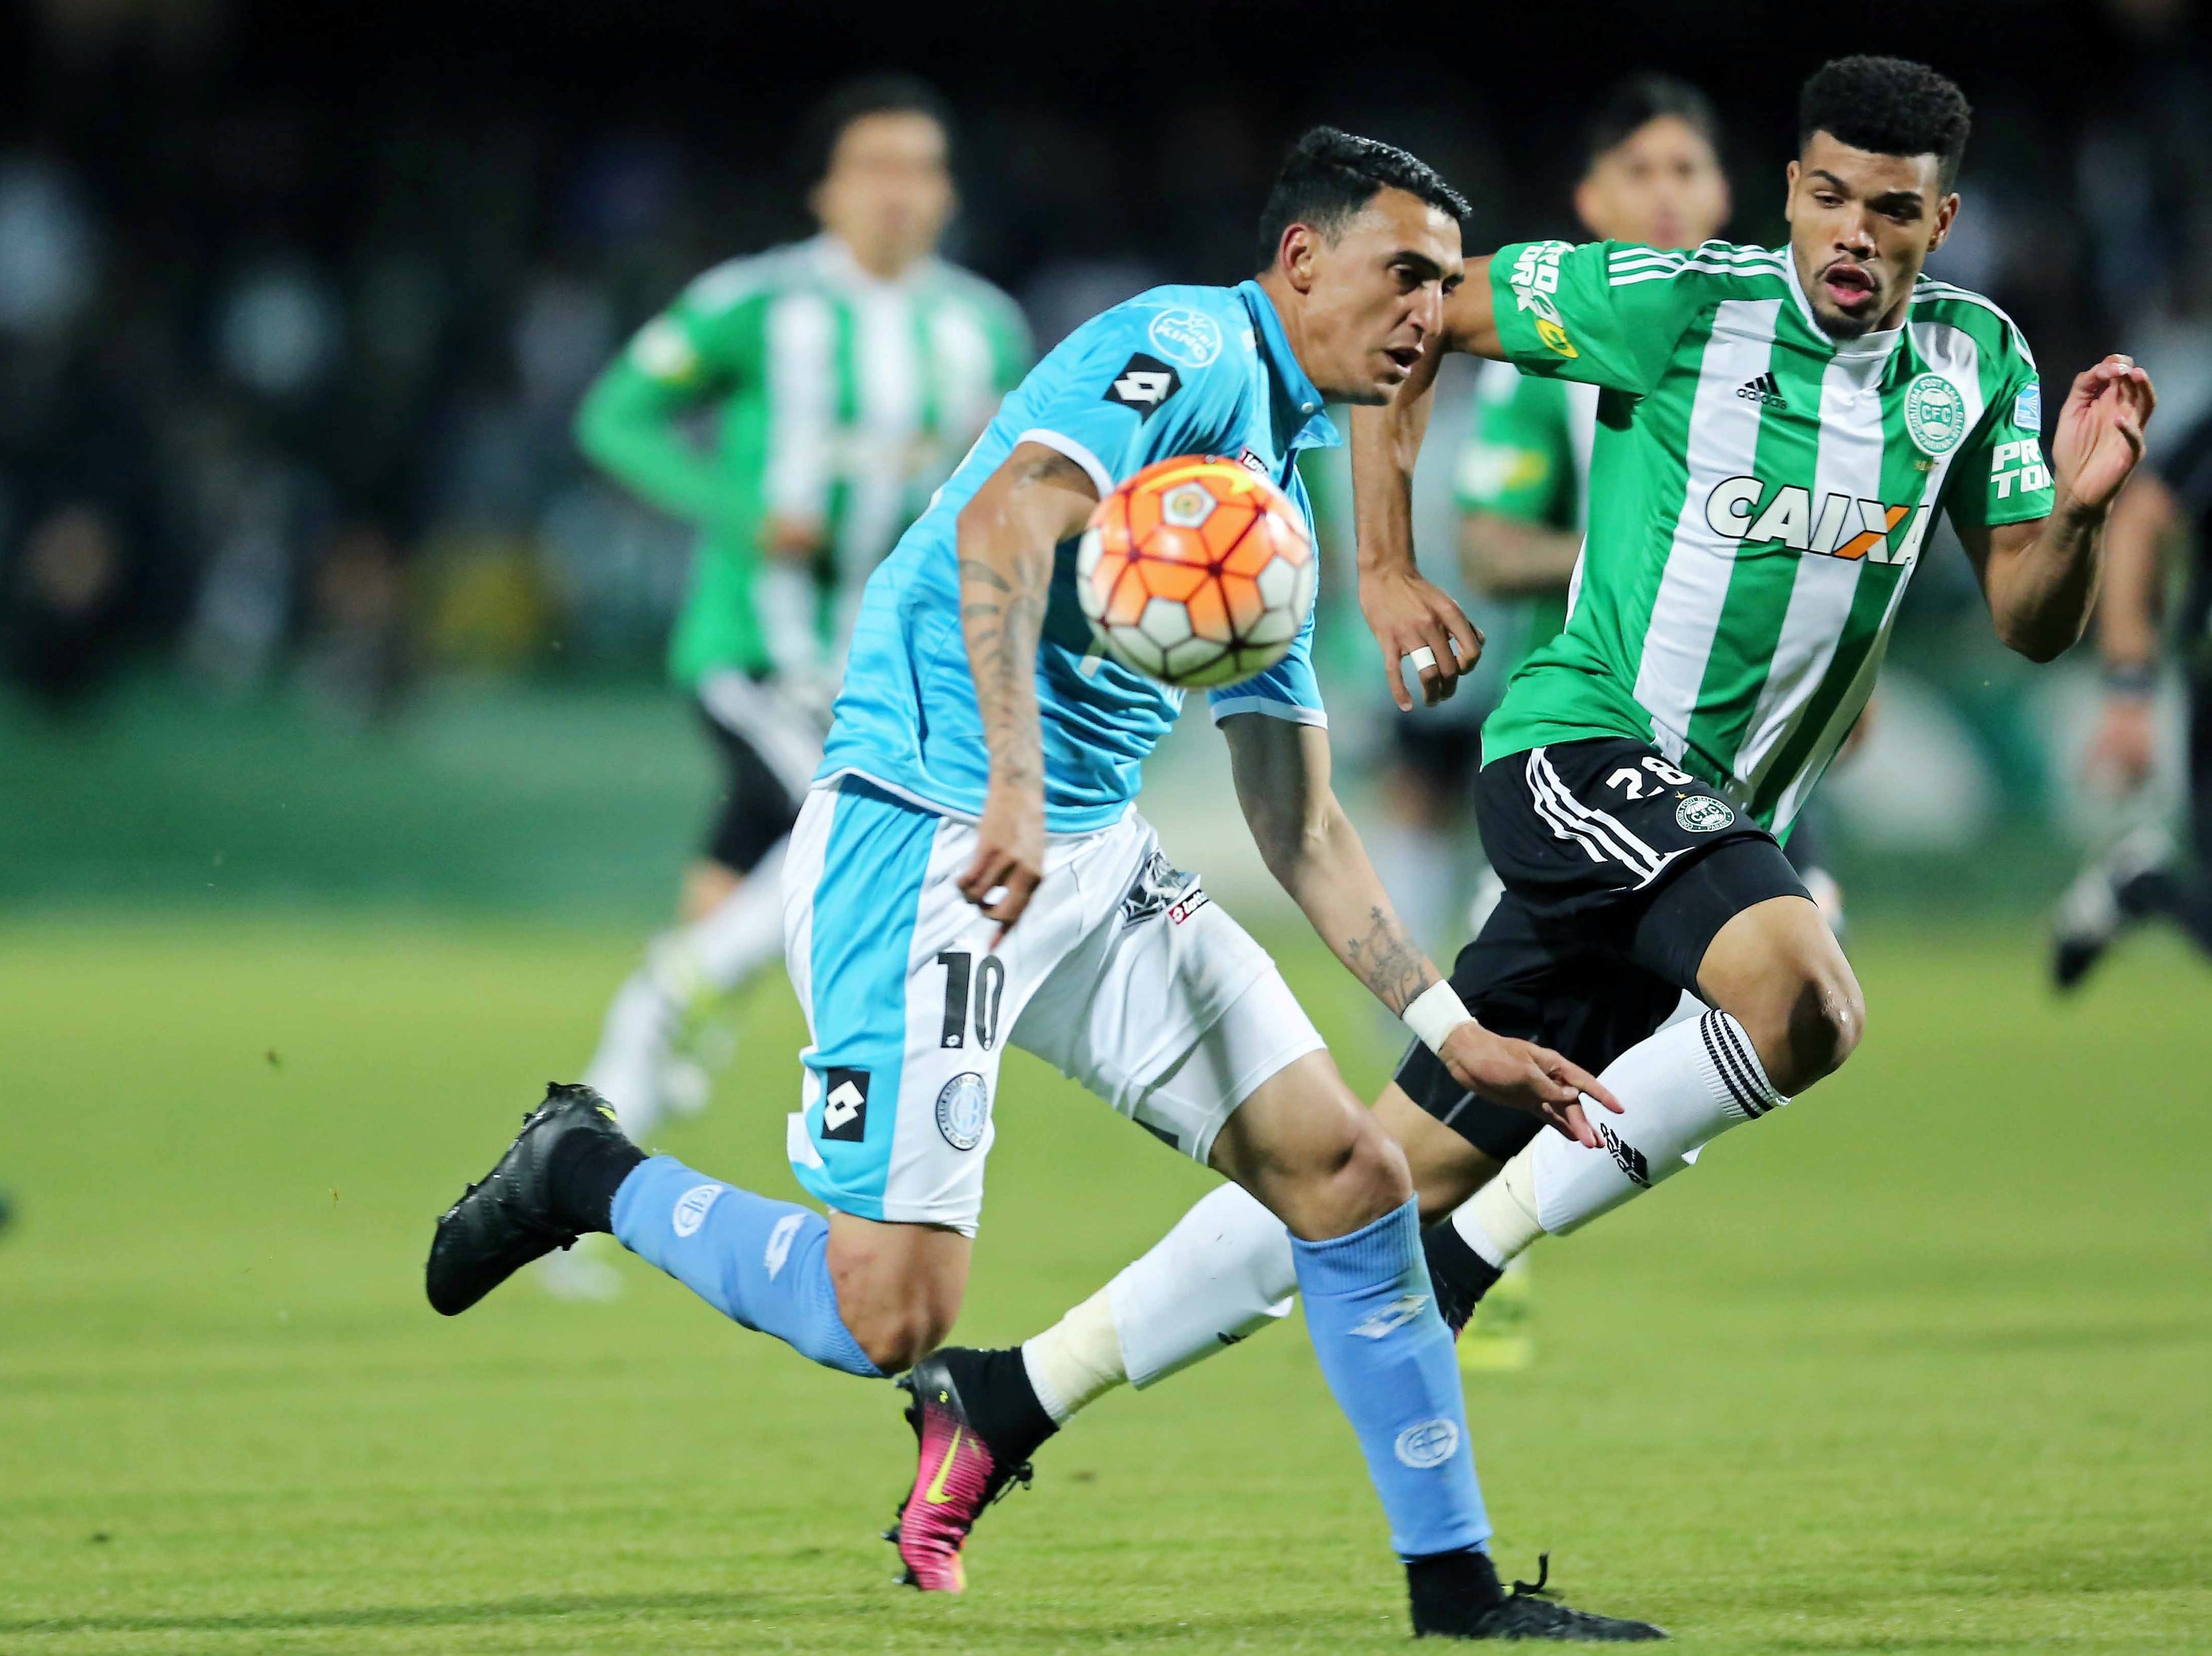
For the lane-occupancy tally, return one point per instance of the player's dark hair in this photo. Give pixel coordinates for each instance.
(1329, 176)
(1634, 101)
(855, 101)
(1890, 106)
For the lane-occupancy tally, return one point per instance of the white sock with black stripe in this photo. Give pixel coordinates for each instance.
(1681, 1088)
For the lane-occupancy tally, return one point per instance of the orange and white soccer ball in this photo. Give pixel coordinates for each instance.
(1197, 572)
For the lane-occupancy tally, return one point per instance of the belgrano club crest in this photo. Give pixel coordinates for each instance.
(1935, 415)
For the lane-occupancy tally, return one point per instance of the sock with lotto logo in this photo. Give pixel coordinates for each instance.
(760, 1263)
(1388, 1360)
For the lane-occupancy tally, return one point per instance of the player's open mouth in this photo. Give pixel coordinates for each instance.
(1404, 355)
(1849, 285)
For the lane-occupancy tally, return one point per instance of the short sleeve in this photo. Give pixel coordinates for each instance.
(1608, 313)
(1287, 690)
(1114, 406)
(2000, 475)
(1518, 460)
(708, 341)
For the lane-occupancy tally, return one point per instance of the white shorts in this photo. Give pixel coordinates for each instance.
(1122, 974)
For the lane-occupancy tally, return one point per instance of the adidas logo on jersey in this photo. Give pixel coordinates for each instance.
(1765, 391)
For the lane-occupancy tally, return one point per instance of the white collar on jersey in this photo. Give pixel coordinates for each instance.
(1878, 345)
(836, 264)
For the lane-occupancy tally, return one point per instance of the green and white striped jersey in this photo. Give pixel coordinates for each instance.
(1760, 493)
(838, 397)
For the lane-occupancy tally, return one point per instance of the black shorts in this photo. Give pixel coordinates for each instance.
(1619, 870)
(768, 751)
(1444, 752)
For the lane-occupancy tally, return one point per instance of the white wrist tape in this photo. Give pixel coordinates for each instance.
(1435, 1013)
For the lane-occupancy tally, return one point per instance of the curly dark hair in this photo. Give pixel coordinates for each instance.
(1329, 176)
(1891, 105)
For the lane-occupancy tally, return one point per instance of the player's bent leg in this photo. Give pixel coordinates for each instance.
(899, 1287)
(1305, 1146)
(570, 1172)
(1776, 969)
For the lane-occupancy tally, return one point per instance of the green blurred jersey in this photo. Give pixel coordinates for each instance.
(833, 399)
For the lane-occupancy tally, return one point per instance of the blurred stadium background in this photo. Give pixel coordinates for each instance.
(338, 780)
(296, 302)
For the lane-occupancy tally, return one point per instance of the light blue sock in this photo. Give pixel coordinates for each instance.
(1388, 1358)
(760, 1262)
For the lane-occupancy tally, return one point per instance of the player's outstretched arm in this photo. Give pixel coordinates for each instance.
(2040, 577)
(1282, 772)
(2145, 520)
(1408, 614)
(1037, 498)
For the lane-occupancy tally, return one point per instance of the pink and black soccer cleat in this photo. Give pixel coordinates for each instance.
(957, 1474)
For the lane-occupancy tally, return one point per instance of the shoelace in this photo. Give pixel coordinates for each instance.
(1536, 1589)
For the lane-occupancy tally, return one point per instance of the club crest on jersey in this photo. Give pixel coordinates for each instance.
(964, 1111)
(1190, 337)
(1935, 415)
(1701, 813)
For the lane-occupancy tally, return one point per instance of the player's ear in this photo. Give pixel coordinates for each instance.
(1790, 194)
(1295, 253)
(1586, 203)
(1947, 214)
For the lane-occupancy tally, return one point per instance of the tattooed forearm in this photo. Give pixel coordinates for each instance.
(1391, 965)
(1001, 615)
(1007, 537)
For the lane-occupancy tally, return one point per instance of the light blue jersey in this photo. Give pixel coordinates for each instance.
(1185, 370)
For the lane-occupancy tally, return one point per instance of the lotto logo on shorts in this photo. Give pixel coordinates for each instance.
(1430, 1444)
(845, 1105)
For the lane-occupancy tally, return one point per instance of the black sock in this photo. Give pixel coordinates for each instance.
(1001, 1402)
(1458, 1275)
(585, 1172)
(1444, 1586)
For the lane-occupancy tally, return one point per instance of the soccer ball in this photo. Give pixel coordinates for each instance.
(1196, 572)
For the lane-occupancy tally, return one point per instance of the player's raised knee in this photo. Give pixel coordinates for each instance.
(1819, 1025)
(1368, 1179)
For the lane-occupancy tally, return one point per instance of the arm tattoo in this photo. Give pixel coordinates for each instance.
(1389, 962)
(1002, 604)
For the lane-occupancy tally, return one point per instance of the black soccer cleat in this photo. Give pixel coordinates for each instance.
(514, 1215)
(1457, 1596)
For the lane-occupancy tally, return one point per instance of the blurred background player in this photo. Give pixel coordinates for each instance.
(2165, 516)
(841, 377)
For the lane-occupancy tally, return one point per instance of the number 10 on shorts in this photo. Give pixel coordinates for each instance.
(989, 985)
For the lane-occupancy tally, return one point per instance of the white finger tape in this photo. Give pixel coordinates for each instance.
(1423, 659)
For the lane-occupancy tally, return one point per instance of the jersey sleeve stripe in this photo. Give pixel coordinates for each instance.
(1697, 266)
(1074, 450)
(1928, 288)
(1289, 712)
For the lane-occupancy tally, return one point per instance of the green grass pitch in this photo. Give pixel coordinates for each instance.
(1923, 1364)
